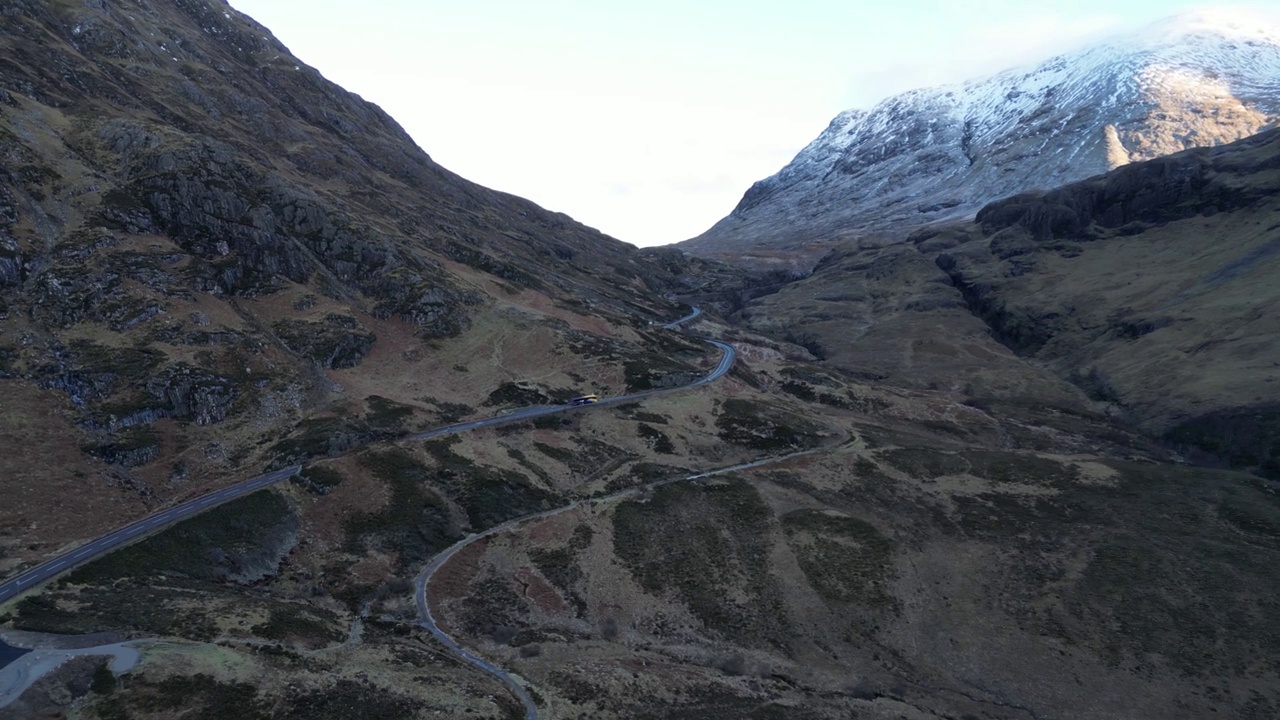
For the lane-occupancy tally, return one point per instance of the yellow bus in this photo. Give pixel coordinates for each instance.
(585, 400)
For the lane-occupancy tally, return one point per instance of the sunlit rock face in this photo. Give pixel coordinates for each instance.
(939, 154)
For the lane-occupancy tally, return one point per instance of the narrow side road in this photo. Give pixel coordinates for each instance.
(421, 583)
(20, 674)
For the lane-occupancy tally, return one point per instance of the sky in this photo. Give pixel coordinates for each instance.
(648, 121)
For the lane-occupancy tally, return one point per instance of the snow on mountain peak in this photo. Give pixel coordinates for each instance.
(1199, 78)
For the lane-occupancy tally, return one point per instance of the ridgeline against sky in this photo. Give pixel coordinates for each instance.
(648, 122)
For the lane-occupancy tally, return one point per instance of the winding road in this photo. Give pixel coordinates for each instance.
(152, 523)
(428, 621)
(78, 556)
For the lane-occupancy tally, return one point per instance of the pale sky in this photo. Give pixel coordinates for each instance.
(649, 120)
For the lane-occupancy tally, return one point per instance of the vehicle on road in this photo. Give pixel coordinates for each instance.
(585, 400)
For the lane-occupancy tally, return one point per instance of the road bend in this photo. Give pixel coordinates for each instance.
(428, 621)
(132, 532)
(75, 557)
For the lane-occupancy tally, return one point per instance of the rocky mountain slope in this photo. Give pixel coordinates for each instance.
(939, 154)
(1150, 290)
(212, 261)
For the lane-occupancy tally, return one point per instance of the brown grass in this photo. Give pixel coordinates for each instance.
(54, 496)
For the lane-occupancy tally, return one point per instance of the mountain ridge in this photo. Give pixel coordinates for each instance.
(938, 154)
(1142, 293)
(202, 241)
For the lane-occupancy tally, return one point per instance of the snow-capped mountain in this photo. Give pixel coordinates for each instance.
(940, 154)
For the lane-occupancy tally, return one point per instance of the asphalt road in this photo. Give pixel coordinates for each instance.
(428, 621)
(129, 533)
(674, 323)
(112, 540)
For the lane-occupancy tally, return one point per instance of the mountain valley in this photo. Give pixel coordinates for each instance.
(1145, 293)
(1016, 465)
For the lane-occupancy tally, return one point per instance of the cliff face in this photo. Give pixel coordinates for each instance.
(938, 155)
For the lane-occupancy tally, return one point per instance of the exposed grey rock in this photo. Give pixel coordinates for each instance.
(88, 373)
(189, 393)
(263, 560)
(338, 342)
(670, 380)
(11, 262)
(1159, 191)
(127, 456)
(66, 296)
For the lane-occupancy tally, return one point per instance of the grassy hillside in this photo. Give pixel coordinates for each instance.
(1146, 293)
